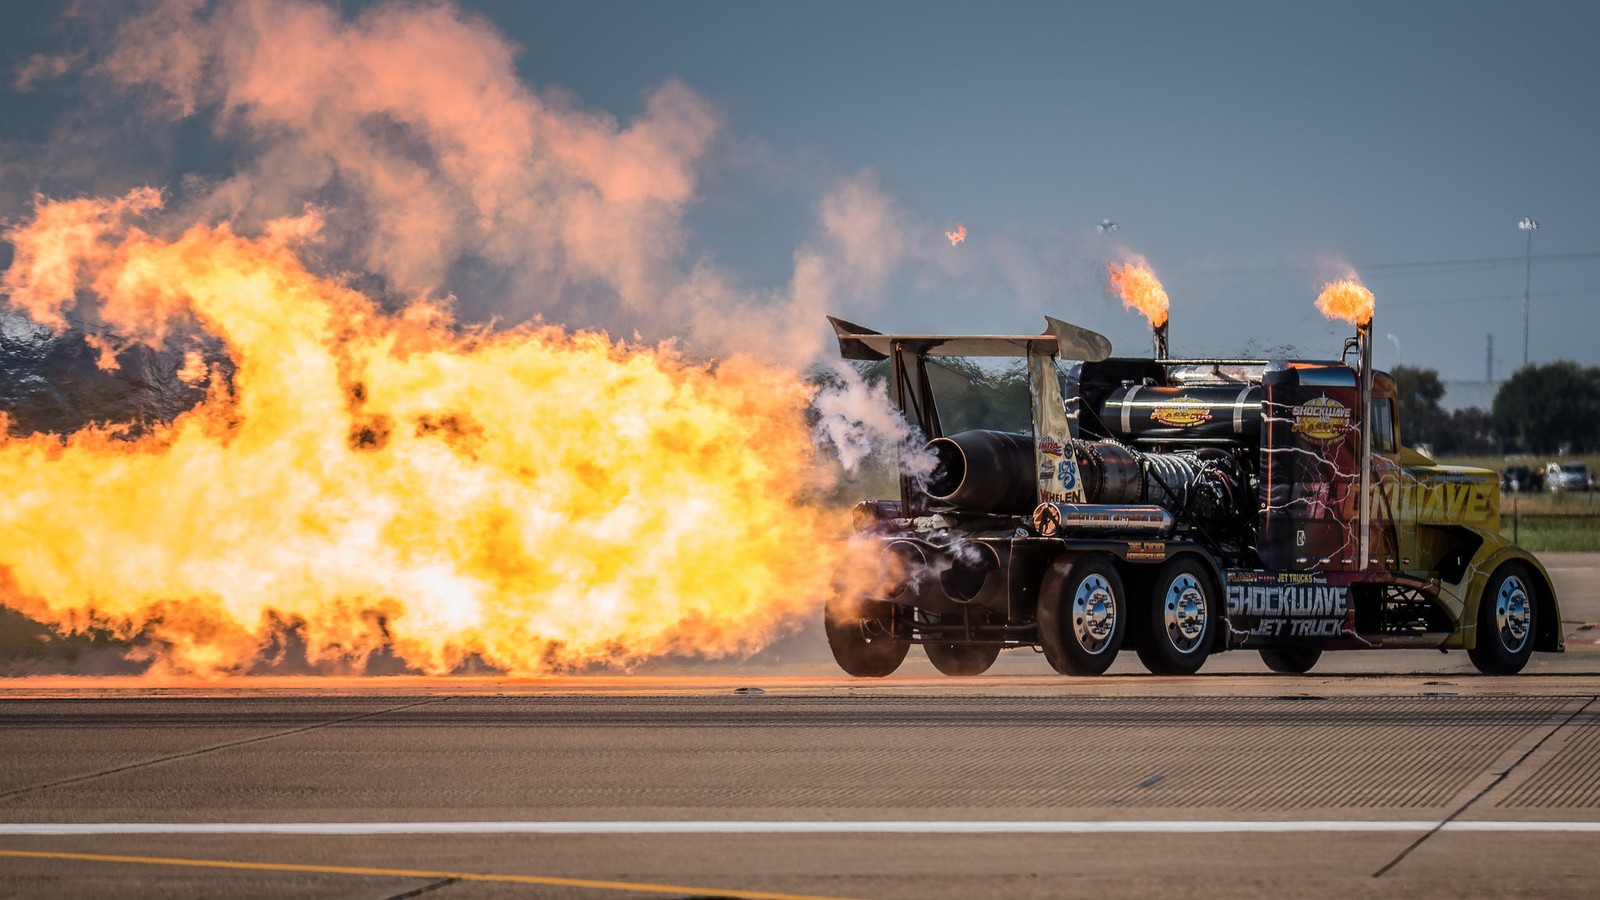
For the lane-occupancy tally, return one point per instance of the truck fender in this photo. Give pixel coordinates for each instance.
(1495, 554)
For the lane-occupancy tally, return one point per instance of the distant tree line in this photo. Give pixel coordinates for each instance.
(1542, 409)
(1423, 423)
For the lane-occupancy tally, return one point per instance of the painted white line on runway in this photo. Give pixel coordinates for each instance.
(1180, 826)
(1522, 826)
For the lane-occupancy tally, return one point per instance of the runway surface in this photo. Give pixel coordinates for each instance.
(1381, 774)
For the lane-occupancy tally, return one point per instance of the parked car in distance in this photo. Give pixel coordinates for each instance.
(1572, 476)
(1522, 479)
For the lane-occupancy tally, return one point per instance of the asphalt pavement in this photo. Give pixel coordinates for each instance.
(1378, 774)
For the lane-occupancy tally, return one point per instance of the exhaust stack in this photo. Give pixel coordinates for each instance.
(1351, 301)
(1348, 300)
(1364, 353)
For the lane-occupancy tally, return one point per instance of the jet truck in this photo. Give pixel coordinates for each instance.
(1180, 508)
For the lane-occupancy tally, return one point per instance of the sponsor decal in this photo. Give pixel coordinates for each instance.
(1287, 609)
(1147, 550)
(1292, 600)
(1322, 419)
(1181, 415)
(1435, 502)
(1049, 446)
(1327, 628)
(1257, 576)
(1096, 517)
(1067, 472)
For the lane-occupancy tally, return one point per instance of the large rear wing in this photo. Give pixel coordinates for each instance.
(913, 392)
(1064, 340)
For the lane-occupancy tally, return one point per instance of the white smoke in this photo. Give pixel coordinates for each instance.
(857, 423)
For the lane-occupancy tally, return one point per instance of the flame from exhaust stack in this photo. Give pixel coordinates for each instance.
(957, 236)
(1347, 300)
(533, 498)
(1140, 290)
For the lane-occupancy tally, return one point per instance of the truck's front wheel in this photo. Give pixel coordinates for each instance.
(1505, 624)
(1082, 615)
(1178, 619)
(864, 635)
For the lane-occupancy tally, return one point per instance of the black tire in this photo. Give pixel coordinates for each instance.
(1083, 615)
(1507, 620)
(1180, 616)
(1291, 662)
(864, 635)
(962, 659)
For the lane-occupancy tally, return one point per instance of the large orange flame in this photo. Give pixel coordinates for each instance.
(531, 498)
(1347, 300)
(1140, 290)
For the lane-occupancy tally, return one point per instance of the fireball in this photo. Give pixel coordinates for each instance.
(532, 499)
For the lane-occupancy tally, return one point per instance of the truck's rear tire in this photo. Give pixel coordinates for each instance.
(1291, 662)
(863, 635)
(1083, 615)
(962, 659)
(956, 658)
(1506, 623)
(1179, 619)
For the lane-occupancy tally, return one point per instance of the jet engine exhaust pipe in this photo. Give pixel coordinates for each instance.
(989, 471)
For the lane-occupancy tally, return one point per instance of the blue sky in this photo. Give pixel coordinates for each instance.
(1234, 143)
(1243, 149)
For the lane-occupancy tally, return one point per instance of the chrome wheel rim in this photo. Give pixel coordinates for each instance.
(1513, 614)
(1094, 613)
(1183, 610)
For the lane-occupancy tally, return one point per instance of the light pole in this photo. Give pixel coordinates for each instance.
(1530, 226)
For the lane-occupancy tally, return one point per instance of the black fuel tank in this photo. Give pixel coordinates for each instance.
(1144, 413)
